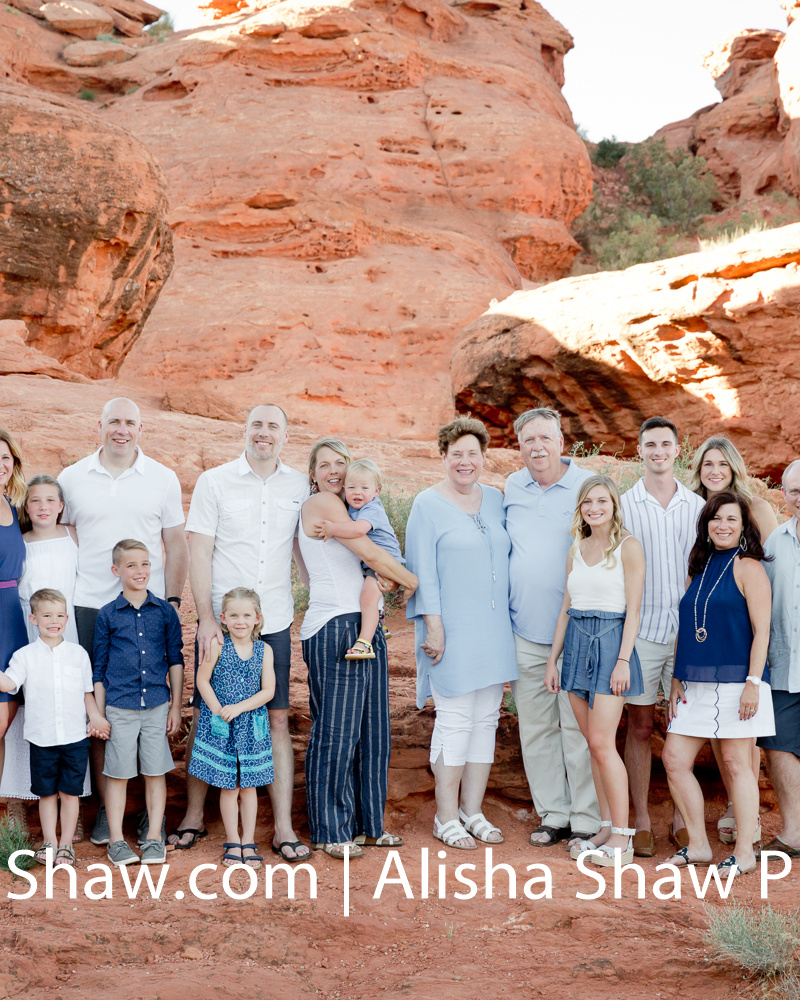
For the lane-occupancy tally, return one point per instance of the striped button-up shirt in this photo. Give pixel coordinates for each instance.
(667, 536)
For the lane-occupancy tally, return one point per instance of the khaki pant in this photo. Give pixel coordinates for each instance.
(556, 756)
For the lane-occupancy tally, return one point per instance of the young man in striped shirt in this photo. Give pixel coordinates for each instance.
(662, 514)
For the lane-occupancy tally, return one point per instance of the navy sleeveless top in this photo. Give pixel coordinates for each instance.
(724, 656)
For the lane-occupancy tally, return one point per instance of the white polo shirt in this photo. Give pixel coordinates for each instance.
(139, 503)
(253, 523)
(55, 682)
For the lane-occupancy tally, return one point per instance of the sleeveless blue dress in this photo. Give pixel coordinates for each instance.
(13, 634)
(243, 754)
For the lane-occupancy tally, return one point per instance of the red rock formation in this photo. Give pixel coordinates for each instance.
(708, 339)
(751, 139)
(349, 186)
(84, 246)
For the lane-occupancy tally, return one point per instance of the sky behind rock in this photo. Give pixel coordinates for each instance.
(636, 65)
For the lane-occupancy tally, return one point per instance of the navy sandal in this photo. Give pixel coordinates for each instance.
(255, 858)
(229, 859)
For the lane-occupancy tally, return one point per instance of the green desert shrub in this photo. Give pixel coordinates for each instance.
(676, 186)
(608, 152)
(760, 940)
(13, 839)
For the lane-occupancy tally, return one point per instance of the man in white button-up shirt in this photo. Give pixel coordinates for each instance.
(118, 492)
(662, 514)
(783, 749)
(242, 524)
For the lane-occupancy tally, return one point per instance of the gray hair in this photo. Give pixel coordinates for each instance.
(544, 412)
(787, 470)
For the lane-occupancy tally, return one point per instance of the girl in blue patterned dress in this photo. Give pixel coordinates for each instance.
(233, 749)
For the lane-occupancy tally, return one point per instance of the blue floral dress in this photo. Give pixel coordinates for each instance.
(240, 752)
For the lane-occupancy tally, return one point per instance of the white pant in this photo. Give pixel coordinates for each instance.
(464, 731)
(554, 751)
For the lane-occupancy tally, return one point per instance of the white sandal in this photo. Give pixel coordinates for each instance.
(726, 827)
(606, 857)
(586, 845)
(480, 827)
(450, 833)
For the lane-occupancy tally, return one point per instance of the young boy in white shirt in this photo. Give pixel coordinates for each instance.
(56, 676)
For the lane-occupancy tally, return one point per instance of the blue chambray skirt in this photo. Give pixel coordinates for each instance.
(591, 650)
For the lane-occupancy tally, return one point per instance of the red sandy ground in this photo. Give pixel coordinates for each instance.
(393, 947)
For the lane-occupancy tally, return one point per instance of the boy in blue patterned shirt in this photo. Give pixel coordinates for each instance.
(137, 643)
(362, 484)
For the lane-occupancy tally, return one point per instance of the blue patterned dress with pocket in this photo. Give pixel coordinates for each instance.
(240, 752)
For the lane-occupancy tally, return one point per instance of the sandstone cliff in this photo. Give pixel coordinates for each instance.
(84, 247)
(751, 139)
(705, 339)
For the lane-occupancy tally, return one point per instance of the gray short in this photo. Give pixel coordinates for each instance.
(141, 731)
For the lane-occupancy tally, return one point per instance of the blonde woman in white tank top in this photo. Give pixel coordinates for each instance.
(348, 699)
(597, 629)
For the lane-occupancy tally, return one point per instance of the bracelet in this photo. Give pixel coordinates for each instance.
(174, 600)
(623, 659)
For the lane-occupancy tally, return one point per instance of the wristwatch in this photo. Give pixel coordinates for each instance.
(754, 680)
(174, 600)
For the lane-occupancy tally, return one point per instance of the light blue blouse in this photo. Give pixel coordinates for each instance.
(462, 565)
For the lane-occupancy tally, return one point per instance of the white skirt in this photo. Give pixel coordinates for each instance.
(712, 712)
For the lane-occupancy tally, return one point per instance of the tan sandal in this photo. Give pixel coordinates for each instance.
(346, 848)
(367, 653)
(65, 856)
(79, 834)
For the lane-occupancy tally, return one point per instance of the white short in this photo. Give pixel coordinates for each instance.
(657, 660)
(712, 712)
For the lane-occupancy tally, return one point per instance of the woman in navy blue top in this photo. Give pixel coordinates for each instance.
(720, 685)
(13, 634)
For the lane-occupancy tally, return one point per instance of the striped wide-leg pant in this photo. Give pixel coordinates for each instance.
(347, 760)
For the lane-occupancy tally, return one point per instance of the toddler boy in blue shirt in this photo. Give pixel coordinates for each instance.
(137, 647)
(362, 484)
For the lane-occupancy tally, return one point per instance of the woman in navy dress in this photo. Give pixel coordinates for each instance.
(13, 633)
(720, 687)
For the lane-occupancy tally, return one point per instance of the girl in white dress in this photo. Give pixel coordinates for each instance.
(51, 551)
(51, 561)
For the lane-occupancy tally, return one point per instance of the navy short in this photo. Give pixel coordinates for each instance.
(59, 769)
(786, 706)
(85, 619)
(281, 645)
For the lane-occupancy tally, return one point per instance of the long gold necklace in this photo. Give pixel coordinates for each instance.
(700, 632)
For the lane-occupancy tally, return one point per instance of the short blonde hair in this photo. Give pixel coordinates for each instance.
(335, 445)
(15, 490)
(126, 545)
(459, 428)
(365, 465)
(244, 594)
(733, 457)
(580, 529)
(46, 594)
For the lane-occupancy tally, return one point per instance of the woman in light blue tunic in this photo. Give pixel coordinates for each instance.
(456, 543)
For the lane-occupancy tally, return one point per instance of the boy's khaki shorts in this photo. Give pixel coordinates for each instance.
(141, 731)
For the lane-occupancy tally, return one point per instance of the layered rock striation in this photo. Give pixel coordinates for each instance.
(707, 339)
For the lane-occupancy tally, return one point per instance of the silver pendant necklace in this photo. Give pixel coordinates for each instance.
(700, 632)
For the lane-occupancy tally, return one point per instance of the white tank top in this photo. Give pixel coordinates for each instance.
(600, 587)
(335, 581)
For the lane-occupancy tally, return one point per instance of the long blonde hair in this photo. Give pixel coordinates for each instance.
(580, 529)
(15, 489)
(738, 483)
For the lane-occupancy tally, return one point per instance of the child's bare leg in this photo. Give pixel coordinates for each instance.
(370, 609)
(229, 809)
(155, 797)
(116, 795)
(69, 818)
(48, 817)
(248, 807)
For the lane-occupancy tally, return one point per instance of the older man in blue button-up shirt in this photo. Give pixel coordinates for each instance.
(540, 502)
